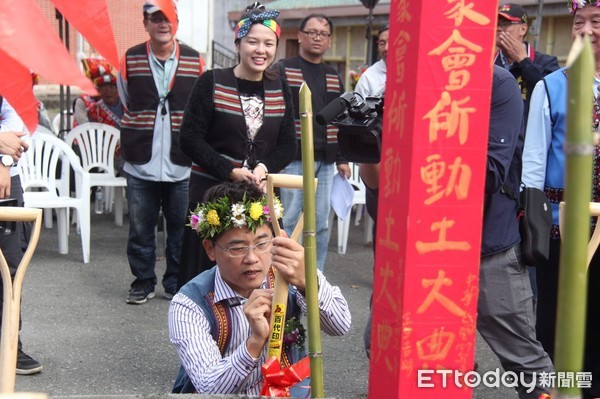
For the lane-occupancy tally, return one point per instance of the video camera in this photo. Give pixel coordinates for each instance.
(360, 123)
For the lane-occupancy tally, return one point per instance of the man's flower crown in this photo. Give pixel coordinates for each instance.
(210, 219)
(573, 5)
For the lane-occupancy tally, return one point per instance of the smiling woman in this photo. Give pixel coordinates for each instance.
(237, 125)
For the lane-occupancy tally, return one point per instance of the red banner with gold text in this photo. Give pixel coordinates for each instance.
(436, 118)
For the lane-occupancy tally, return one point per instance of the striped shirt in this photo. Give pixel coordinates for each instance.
(237, 372)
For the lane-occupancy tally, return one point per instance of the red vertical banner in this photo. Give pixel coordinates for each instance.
(437, 105)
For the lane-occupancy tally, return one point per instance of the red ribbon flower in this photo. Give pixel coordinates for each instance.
(277, 382)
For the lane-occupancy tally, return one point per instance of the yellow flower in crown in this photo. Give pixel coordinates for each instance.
(212, 217)
(256, 210)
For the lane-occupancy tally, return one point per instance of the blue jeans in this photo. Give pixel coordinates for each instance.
(293, 201)
(145, 198)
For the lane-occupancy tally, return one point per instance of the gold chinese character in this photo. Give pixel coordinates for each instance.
(436, 285)
(391, 169)
(396, 113)
(387, 241)
(449, 116)
(400, 50)
(461, 10)
(387, 274)
(442, 244)
(458, 181)
(402, 13)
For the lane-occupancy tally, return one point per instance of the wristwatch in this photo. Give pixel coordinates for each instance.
(7, 160)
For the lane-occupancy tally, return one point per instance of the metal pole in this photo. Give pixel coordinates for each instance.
(61, 87)
(370, 38)
(537, 31)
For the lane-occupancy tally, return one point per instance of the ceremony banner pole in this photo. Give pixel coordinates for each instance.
(310, 244)
(431, 195)
(572, 283)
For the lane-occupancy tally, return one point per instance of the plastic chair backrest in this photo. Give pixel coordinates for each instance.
(97, 143)
(38, 166)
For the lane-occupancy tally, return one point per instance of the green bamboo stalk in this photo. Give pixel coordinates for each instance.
(310, 244)
(572, 285)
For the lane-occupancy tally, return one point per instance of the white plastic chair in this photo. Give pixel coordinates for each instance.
(38, 170)
(343, 225)
(47, 212)
(97, 143)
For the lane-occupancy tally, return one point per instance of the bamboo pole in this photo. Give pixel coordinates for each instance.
(572, 284)
(310, 245)
(12, 295)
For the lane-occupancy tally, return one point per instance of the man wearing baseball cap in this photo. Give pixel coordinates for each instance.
(527, 65)
(155, 80)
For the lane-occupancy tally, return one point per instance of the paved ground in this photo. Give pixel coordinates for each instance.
(90, 342)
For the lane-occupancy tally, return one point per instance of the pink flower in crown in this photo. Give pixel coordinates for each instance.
(194, 219)
(266, 212)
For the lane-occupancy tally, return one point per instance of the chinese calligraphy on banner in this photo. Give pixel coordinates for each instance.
(437, 105)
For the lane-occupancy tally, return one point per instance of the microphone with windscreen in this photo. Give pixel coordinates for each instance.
(334, 109)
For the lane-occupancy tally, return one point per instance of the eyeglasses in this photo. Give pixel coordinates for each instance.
(506, 24)
(313, 34)
(259, 248)
(158, 19)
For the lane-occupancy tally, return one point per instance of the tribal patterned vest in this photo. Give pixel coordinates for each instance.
(228, 132)
(137, 125)
(295, 78)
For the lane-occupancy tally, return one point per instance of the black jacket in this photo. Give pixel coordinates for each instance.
(531, 70)
(505, 148)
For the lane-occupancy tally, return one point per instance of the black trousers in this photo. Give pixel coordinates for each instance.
(11, 244)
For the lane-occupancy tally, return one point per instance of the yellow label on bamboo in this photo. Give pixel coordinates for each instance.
(277, 330)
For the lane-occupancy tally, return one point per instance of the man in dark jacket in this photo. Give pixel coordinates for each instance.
(505, 310)
(325, 83)
(526, 64)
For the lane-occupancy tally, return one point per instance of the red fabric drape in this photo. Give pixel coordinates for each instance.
(12, 89)
(91, 19)
(27, 37)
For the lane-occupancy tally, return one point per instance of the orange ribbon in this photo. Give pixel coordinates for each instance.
(277, 382)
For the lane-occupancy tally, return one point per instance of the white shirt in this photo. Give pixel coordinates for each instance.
(538, 137)
(372, 81)
(237, 372)
(10, 122)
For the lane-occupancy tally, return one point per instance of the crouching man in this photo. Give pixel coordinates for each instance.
(219, 321)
